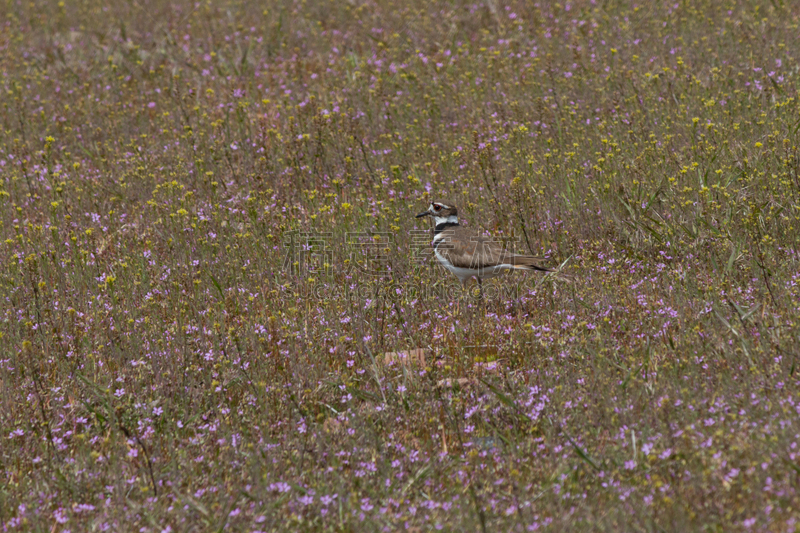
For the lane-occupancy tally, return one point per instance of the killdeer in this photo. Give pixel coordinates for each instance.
(467, 254)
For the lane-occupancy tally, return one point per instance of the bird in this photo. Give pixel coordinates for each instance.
(467, 254)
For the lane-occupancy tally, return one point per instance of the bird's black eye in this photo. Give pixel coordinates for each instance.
(437, 207)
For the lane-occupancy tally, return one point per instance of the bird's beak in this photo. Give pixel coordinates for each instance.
(423, 214)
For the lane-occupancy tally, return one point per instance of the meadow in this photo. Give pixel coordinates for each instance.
(208, 248)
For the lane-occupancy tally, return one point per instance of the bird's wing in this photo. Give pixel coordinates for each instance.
(466, 249)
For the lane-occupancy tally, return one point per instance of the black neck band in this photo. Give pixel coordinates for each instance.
(444, 225)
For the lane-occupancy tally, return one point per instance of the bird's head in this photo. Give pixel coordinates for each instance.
(441, 212)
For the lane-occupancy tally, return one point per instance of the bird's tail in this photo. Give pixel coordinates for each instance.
(526, 262)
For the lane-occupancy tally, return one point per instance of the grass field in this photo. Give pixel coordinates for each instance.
(208, 245)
